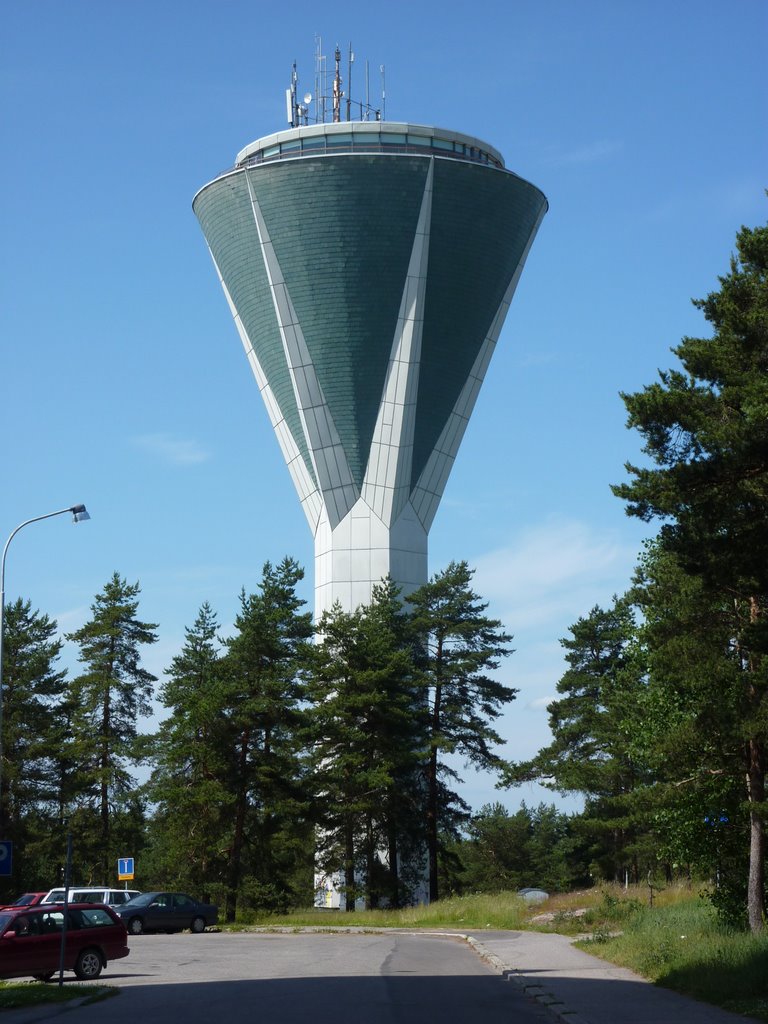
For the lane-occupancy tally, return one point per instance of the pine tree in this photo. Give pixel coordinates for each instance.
(401, 739)
(495, 854)
(264, 715)
(596, 749)
(32, 692)
(342, 777)
(365, 731)
(705, 429)
(459, 647)
(108, 699)
(693, 727)
(189, 782)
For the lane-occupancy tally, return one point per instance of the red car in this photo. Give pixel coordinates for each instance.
(30, 940)
(28, 899)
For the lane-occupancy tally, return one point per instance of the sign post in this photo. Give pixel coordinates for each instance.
(125, 869)
(65, 912)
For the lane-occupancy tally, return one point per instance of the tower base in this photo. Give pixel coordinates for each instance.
(361, 551)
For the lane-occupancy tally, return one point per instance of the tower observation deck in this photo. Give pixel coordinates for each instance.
(369, 266)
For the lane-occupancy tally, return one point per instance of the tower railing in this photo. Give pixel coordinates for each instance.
(331, 145)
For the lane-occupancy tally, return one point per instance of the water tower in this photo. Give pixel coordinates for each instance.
(369, 266)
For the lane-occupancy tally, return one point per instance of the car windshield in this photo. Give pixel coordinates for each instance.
(120, 896)
(5, 920)
(141, 901)
(25, 900)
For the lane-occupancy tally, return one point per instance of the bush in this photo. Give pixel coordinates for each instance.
(255, 899)
(729, 899)
(615, 908)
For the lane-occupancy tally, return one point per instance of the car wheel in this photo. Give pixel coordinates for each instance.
(135, 926)
(88, 964)
(43, 977)
(198, 925)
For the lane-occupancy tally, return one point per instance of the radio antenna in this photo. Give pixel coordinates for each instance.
(337, 87)
(290, 98)
(319, 80)
(328, 92)
(350, 61)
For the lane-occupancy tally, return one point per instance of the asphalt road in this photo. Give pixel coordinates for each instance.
(320, 978)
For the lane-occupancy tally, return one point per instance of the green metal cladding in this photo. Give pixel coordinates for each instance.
(342, 227)
(482, 220)
(343, 232)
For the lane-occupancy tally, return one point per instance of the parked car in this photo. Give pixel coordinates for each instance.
(27, 899)
(30, 940)
(92, 894)
(167, 912)
(533, 895)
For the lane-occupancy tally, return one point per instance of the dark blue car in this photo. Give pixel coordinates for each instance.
(167, 912)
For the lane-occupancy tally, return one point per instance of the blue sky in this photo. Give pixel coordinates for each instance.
(124, 384)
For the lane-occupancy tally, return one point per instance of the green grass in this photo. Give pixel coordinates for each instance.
(16, 995)
(682, 946)
(497, 911)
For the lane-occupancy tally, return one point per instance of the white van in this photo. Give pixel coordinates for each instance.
(91, 894)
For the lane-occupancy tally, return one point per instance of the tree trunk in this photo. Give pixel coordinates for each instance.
(370, 865)
(432, 826)
(239, 830)
(394, 873)
(756, 792)
(434, 893)
(757, 845)
(349, 868)
(104, 786)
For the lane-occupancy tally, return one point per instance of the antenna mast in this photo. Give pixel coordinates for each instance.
(328, 93)
(319, 81)
(337, 88)
(290, 98)
(350, 61)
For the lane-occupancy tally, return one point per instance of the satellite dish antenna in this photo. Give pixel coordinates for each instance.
(307, 98)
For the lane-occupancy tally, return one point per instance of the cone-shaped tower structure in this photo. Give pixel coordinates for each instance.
(369, 267)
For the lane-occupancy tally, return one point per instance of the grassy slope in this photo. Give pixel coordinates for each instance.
(682, 946)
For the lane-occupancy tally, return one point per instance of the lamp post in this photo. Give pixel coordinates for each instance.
(79, 514)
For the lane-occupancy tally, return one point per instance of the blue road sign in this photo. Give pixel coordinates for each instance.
(6, 857)
(125, 868)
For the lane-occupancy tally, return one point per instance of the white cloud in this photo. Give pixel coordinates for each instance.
(540, 703)
(175, 450)
(552, 575)
(539, 586)
(71, 619)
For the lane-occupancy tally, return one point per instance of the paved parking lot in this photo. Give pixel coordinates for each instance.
(291, 978)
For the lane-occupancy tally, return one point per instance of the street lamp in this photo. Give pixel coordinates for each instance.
(79, 515)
